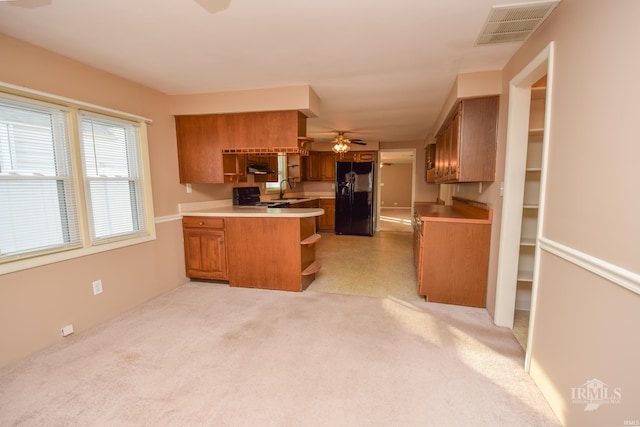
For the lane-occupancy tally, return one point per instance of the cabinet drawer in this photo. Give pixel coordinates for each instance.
(203, 222)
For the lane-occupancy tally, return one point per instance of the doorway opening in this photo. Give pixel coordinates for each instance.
(396, 189)
(524, 186)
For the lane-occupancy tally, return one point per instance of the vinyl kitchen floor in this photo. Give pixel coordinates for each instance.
(380, 266)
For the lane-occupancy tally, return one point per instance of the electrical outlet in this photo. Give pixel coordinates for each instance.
(97, 287)
(66, 330)
(188, 188)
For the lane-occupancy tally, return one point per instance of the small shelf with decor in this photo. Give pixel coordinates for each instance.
(294, 167)
(234, 167)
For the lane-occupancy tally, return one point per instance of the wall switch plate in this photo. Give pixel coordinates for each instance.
(66, 330)
(97, 287)
(188, 186)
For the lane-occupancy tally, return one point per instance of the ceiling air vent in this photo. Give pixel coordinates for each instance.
(514, 23)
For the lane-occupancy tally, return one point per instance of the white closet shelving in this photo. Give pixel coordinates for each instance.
(530, 206)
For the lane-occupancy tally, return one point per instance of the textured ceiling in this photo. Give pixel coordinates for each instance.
(382, 69)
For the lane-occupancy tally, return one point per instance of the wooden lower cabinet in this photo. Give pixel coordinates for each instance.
(307, 204)
(451, 255)
(327, 222)
(455, 262)
(204, 248)
(271, 253)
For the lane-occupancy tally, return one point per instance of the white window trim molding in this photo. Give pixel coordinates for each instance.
(145, 169)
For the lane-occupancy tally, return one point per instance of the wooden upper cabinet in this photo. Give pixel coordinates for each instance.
(202, 138)
(357, 156)
(199, 153)
(466, 142)
(327, 167)
(320, 166)
(312, 166)
(430, 163)
(264, 129)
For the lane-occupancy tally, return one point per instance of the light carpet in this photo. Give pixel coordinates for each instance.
(209, 355)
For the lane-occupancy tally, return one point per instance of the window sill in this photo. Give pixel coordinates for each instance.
(38, 261)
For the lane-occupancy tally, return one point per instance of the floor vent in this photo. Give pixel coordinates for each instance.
(514, 23)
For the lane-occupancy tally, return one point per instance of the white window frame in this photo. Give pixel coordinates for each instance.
(131, 177)
(87, 246)
(20, 176)
(274, 187)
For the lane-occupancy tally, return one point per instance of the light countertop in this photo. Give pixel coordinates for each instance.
(441, 213)
(256, 212)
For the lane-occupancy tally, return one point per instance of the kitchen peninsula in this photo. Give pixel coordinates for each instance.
(252, 246)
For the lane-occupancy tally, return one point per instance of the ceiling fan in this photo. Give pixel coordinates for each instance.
(341, 143)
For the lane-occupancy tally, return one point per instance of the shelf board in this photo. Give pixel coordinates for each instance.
(527, 242)
(530, 207)
(536, 131)
(525, 276)
(311, 239)
(537, 169)
(312, 269)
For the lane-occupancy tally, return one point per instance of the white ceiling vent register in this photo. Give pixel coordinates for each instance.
(514, 23)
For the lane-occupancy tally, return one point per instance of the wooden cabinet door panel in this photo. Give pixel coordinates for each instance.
(205, 255)
(327, 167)
(466, 142)
(312, 167)
(199, 153)
(478, 135)
(454, 148)
(455, 263)
(328, 220)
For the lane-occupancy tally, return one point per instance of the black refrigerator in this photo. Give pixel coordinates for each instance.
(354, 198)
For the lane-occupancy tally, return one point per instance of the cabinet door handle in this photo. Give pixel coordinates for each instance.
(201, 223)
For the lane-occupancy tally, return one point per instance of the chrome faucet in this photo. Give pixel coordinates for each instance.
(282, 189)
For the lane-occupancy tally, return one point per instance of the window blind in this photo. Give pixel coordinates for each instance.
(113, 187)
(38, 210)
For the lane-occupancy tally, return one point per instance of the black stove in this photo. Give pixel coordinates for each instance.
(250, 196)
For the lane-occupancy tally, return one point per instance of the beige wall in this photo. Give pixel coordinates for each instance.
(586, 328)
(424, 192)
(395, 190)
(584, 324)
(36, 303)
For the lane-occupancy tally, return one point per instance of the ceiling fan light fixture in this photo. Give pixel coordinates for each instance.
(340, 148)
(340, 144)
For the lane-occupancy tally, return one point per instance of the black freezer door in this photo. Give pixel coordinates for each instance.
(354, 198)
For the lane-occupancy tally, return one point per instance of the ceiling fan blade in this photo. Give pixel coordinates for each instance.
(358, 141)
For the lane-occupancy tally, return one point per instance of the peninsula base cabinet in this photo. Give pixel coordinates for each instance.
(272, 253)
(204, 248)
